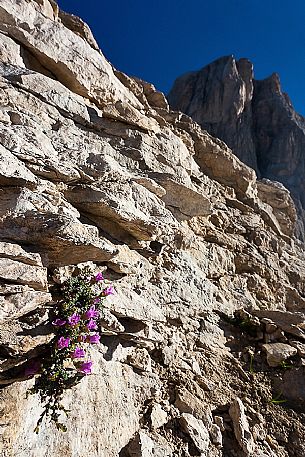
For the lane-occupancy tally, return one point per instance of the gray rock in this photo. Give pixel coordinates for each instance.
(247, 115)
(241, 426)
(278, 352)
(197, 431)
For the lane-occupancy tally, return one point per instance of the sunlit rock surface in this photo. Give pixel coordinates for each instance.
(96, 168)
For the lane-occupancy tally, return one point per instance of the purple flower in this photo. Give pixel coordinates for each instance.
(96, 301)
(91, 325)
(78, 353)
(63, 342)
(94, 339)
(108, 291)
(59, 322)
(99, 277)
(32, 368)
(92, 312)
(86, 367)
(74, 319)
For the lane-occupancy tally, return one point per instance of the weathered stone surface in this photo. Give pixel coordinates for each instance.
(241, 426)
(197, 431)
(291, 323)
(13, 171)
(292, 386)
(100, 173)
(278, 352)
(248, 115)
(140, 359)
(144, 446)
(16, 252)
(22, 273)
(19, 300)
(158, 416)
(10, 52)
(216, 435)
(300, 347)
(188, 403)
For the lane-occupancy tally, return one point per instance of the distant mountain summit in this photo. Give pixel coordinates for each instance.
(254, 118)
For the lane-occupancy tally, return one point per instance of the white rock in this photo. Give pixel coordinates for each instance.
(158, 417)
(196, 429)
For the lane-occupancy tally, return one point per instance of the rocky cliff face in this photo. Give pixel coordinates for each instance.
(254, 118)
(96, 168)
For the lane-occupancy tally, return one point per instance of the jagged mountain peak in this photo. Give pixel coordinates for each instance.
(208, 308)
(253, 117)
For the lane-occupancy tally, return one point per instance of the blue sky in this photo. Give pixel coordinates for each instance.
(161, 39)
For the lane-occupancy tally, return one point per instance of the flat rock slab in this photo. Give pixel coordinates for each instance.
(241, 426)
(278, 352)
(33, 276)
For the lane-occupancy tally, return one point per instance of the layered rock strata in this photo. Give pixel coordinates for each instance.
(96, 170)
(254, 118)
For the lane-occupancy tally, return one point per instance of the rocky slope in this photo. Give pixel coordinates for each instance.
(96, 168)
(254, 118)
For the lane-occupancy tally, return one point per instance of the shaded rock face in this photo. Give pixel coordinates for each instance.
(96, 170)
(254, 118)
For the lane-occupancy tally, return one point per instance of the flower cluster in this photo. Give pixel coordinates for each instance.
(76, 327)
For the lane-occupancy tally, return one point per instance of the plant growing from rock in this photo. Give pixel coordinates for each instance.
(75, 326)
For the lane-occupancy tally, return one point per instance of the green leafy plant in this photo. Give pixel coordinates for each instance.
(277, 400)
(75, 325)
(245, 324)
(285, 365)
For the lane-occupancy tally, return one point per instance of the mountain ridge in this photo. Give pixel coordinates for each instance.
(253, 117)
(202, 344)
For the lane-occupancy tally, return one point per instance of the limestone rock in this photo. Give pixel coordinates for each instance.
(69, 54)
(22, 273)
(226, 100)
(300, 347)
(291, 323)
(143, 446)
(188, 403)
(16, 252)
(14, 172)
(140, 359)
(98, 172)
(17, 300)
(197, 431)
(241, 426)
(158, 417)
(216, 435)
(292, 386)
(278, 352)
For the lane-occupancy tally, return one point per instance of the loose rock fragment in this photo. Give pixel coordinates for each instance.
(197, 431)
(241, 426)
(278, 352)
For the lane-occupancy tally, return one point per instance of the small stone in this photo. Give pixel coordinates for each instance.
(196, 429)
(278, 352)
(220, 422)
(216, 435)
(144, 446)
(188, 403)
(259, 432)
(300, 347)
(205, 383)
(158, 417)
(241, 426)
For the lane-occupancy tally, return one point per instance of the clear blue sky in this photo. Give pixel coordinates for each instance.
(159, 40)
